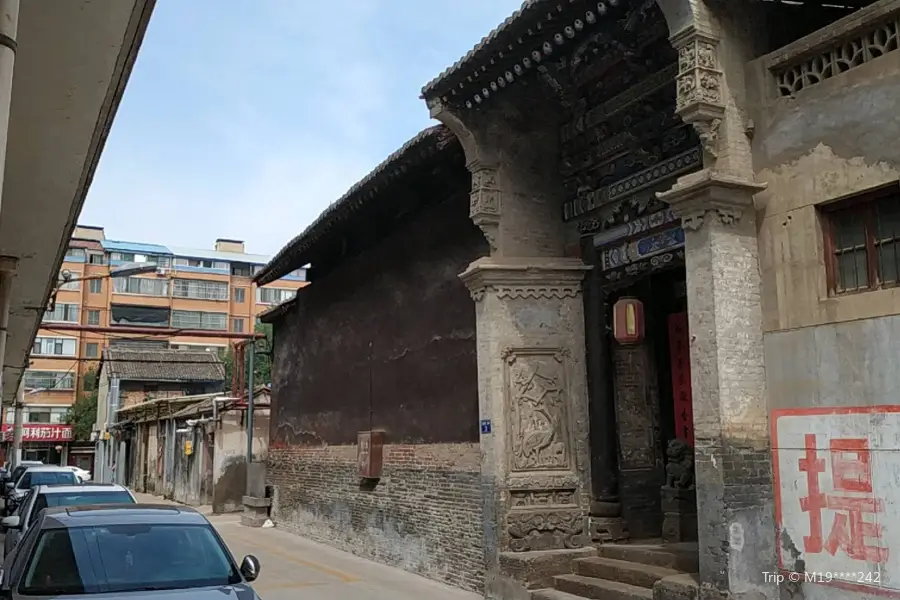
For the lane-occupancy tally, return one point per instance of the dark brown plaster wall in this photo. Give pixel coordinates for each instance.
(385, 341)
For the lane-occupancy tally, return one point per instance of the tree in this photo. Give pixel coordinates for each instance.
(262, 361)
(83, 414)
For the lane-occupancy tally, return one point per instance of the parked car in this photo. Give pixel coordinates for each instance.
(51, 496)
(36, 475)
(13, 476)
(81, 473)
(140, 551)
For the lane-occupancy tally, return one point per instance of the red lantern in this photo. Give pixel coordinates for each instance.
(628, 321)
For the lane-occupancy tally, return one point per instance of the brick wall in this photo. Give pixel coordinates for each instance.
(386, 341)
(423, 516)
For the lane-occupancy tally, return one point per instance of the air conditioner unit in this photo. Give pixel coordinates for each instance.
(162, 271)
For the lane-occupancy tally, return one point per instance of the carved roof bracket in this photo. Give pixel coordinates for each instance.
(700, 99)
(707, 192)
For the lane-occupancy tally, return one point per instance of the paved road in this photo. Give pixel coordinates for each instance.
(293, 567)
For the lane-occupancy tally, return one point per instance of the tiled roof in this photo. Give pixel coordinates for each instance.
(163, 365)
(411, 155)
(539, 32)
(205, 406)
(500, 37)
(271, 314)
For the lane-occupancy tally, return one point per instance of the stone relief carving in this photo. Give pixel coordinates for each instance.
(699, 98)
(679, 465)
(724, 215)
(538, 498)
(543, 481)
(534, 292)
(484, 202)
(845, 52)
(545, 530)
(536, 384)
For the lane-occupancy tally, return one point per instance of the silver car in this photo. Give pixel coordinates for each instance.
(49, 496)
(129, 551)
(36, 475)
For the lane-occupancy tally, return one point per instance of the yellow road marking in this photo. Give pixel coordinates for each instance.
(344, 577)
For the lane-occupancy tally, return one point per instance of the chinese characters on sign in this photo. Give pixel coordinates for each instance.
(837, 494)
(40, 433)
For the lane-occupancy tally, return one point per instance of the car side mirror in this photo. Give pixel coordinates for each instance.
(250, 568)
(10, 485)
(12, 522)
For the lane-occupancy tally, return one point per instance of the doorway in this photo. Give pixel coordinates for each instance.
(649, 395)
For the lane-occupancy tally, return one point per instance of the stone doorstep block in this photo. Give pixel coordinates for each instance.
(535, 570)
(677, 587)
(256, 502)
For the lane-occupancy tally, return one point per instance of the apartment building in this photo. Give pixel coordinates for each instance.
(192, 288)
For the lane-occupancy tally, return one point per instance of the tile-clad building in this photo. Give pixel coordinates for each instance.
(383, 340)
(192, 289)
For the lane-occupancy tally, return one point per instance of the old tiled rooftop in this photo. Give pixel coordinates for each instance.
(163, 365)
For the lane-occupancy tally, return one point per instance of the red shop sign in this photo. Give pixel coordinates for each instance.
(40, 433)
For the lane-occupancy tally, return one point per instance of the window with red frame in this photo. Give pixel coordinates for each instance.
(862, 241)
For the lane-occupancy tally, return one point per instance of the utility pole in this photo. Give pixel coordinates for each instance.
(250, 359)
(16, 457)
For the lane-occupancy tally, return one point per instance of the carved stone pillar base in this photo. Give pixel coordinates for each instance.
(607, 526)
(533, 402)
(679, 515)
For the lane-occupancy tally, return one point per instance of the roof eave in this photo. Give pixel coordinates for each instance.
(411, 155)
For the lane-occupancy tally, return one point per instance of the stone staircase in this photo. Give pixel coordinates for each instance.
(629, 572)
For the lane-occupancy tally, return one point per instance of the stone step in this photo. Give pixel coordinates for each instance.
(679, 559)
(600, 589)
(551, 594)
(632, 573)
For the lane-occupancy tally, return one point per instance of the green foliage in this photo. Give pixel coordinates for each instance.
(83, 414)
(262, 361)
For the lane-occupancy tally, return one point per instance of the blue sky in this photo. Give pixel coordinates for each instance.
(245, 123)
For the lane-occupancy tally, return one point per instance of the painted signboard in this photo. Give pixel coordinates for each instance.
(40, 433)
(837, 495)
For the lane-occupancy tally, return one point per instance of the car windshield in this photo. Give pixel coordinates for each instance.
(127, 558)
(33, 478)
(79, 498)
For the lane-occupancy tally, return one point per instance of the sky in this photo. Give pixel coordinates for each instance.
(245, 124)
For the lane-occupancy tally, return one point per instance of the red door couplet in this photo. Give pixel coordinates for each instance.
(680, 353)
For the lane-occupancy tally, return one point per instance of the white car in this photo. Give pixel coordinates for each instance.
(81, 473)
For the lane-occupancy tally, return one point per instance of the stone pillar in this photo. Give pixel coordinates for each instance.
(529, 311)
(734, 486)
(606, 522)
(533, 402)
